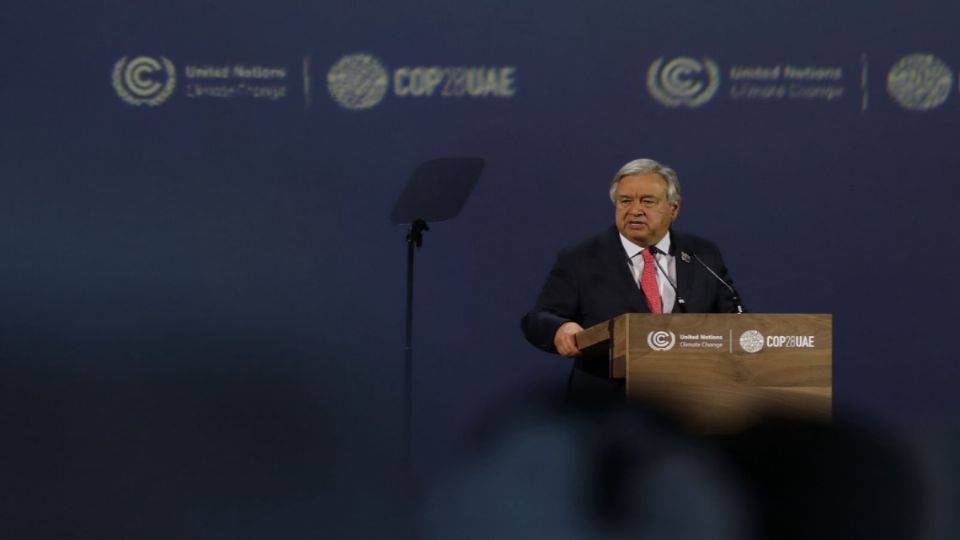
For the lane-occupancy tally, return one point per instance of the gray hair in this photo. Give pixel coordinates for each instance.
(649, 166)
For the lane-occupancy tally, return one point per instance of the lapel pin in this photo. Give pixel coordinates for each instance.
(684, 256)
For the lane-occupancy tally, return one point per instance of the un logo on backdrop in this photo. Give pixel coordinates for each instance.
(358, 81)
(919, 82)
(683, 81)
(145, 80)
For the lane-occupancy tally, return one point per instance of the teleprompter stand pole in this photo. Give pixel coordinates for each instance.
(436, 192)
(414, 239)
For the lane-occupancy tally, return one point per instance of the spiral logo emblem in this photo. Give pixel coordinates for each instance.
(357, 81)
(683, 81)
(661, 340)
(751, 341)
(145, 80)
(919, 82)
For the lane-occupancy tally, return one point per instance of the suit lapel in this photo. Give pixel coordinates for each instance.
(684, 263)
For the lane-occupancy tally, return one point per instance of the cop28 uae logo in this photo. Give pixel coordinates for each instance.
(661, 340)
(144, 80)
(751, 341)
(919, 82)
(358, 81)
(683, 81)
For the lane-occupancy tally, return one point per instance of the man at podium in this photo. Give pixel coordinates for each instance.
(640, 265)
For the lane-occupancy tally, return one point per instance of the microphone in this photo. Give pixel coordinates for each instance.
(681, 303)
(736, 296)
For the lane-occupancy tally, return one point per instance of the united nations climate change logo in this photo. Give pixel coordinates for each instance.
(751, 341)
(145, 80)
(919, 82)
(358, 81)
(683, 81)
(661, 340)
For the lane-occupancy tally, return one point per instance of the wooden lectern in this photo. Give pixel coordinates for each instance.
(720, 372)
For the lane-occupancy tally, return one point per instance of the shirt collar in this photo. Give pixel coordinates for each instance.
(633, 250)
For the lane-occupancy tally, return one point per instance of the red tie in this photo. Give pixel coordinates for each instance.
(648, 282)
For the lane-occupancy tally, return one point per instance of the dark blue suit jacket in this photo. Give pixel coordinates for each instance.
(590, 283)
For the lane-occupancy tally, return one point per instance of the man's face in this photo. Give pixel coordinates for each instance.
(643, 213)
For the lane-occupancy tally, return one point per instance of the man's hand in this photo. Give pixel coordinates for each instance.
(565, 339)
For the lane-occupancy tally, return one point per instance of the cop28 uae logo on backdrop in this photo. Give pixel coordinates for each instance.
(661, 340)
(144, 80)
(683, 81)
(919, 82)
(358, 81)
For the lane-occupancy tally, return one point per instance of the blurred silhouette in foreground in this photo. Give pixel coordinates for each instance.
(613, 470)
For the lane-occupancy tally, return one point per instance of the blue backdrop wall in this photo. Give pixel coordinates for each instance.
(194, 201)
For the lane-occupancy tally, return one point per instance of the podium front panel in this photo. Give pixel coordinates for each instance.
(722, 369)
